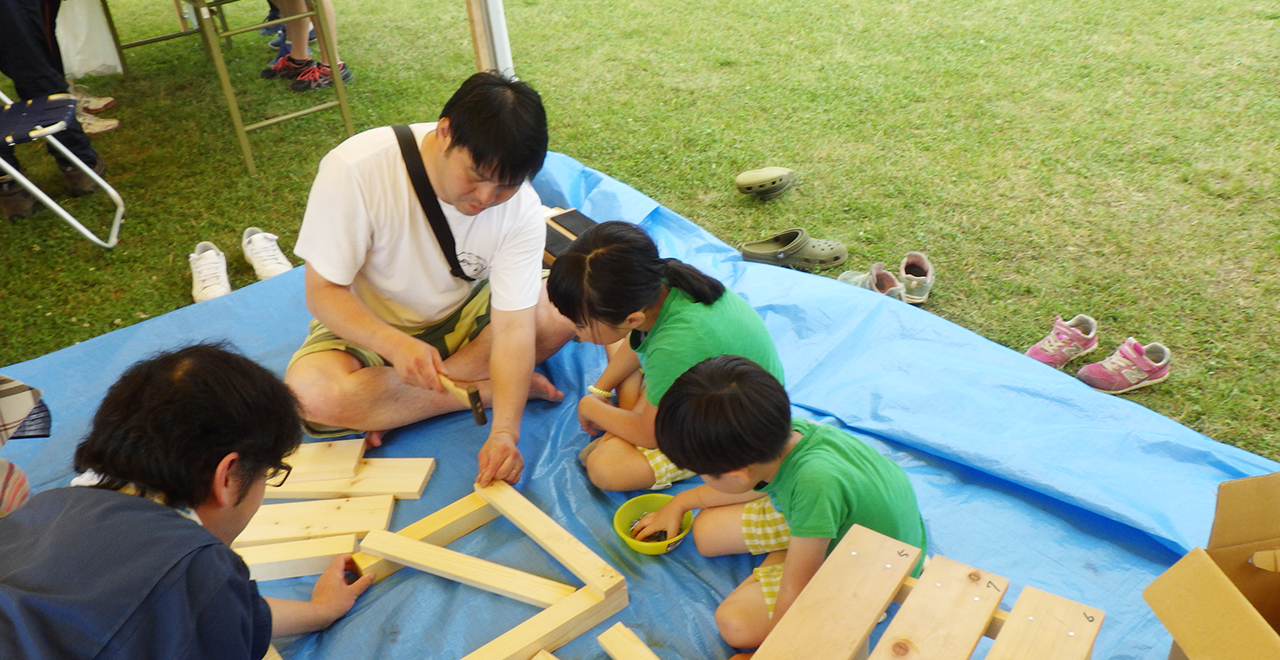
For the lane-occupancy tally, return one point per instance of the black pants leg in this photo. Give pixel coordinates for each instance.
(24, 57)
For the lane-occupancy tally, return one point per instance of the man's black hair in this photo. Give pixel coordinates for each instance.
(613, 269)
(167, 423)
(723, 414)
(501, 123)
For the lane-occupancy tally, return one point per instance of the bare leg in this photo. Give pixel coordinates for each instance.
(718, 531)
(296, 32)
(743, 617)
(336, 390)
(616, 465)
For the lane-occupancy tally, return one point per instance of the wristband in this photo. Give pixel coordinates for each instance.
(599, 392)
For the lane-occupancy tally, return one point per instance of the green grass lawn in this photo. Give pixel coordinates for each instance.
(1115, 159)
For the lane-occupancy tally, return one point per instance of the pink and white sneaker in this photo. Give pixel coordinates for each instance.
(1067, 341)
(1130, 367)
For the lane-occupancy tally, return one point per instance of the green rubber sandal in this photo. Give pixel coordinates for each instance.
(766, 183)
(794, 248)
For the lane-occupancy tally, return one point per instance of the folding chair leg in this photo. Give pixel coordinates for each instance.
(210, 34)
(22, 180)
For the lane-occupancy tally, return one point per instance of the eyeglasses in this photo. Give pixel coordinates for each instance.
(276, 476)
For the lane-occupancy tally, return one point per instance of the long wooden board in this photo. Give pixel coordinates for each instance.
(276, 523)
(404, 478)
(494, 578)
(834, 614)
(279, 561)
(1043, 626)
(945, 616)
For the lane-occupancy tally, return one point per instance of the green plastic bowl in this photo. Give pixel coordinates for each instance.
(635, 509)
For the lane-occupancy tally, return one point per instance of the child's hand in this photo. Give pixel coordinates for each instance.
(667, 519)
(583, 420)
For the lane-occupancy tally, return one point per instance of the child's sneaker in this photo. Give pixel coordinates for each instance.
(1067, 341)
(877, 279)
(208, 272)
(286, 67)
(318, 76)
(261, 251)
(916, 274)
(1130, 367)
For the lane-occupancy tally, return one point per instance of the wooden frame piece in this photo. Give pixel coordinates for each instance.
(570, 615)
(402, 478)
(621, 643)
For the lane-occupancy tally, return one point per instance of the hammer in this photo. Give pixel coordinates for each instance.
(469, 397)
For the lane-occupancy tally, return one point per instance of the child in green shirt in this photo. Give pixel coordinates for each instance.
(658, 317)
(789, 488)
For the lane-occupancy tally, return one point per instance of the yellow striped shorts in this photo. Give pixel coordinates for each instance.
(665, 472)
(765, 530)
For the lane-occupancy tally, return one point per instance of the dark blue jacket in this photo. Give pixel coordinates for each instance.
(91, 573)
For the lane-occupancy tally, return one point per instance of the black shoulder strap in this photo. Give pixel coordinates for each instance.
(427, 198)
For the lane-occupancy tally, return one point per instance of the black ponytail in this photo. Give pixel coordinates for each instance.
(613, 269)
(697, 284)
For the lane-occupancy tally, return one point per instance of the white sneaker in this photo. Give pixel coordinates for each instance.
(208, 272)
(261, 251)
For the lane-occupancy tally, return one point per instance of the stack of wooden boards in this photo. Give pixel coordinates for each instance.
(349, 496)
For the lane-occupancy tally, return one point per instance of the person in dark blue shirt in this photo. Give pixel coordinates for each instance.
(137, 565)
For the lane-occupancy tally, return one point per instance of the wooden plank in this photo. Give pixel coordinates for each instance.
(276, 523)
(623, 644)
(403, 478)
(466, 569)
(1043, 626)
(946, 614)
(569, 551)
(440, 528)
(834, 614)
(272, 653)
(553, 627)
(279, 561)
(543, 655)
(335, 459)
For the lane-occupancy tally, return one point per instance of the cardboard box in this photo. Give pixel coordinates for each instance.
(1216, 601)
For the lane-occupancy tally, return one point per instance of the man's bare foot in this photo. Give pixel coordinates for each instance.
(373, 438)
(541, 388)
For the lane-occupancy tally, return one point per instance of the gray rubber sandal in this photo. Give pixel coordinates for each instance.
(766, 183)
(794, 248)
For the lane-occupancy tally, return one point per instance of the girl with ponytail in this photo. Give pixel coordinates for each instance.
(657, 317)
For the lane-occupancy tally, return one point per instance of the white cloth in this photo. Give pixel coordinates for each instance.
(85, 40)
(364, 228)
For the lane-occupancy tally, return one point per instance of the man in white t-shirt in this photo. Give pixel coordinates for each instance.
(390, 315)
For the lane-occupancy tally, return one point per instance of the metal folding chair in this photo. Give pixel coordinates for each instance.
(41, 118)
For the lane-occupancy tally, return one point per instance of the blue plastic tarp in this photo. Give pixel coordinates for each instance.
(1020, 469)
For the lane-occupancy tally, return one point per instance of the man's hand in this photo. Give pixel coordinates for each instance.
(500, 459)
(418, 363)
(332, 596)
